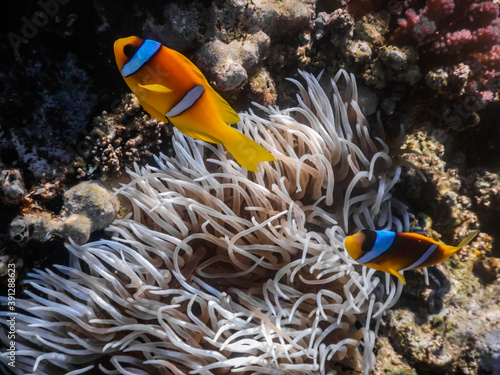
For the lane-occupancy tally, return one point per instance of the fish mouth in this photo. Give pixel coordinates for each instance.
(120, 57)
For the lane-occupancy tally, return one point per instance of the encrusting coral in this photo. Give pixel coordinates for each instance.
(217, 269)
(88, 206)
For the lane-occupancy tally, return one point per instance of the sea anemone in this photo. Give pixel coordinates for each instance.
(217, 269)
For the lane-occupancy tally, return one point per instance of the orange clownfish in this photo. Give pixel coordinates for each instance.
(171, 88)
(393, 252)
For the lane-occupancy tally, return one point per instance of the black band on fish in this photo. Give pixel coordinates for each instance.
(186, 102)
(142, 56)
(369, 241)
(382, 243)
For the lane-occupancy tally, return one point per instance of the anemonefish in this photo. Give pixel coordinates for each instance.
(393, 252)
(171, 88)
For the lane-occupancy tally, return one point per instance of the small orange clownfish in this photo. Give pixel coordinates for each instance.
(393, 252)
(171, 88)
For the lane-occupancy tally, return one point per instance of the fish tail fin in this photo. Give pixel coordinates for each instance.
(398, 275)
(465, 241)
(246, 152)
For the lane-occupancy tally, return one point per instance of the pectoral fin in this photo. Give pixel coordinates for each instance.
(156, 88)
(397, 274)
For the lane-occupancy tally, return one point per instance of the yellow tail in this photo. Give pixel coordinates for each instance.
(245, 151)
(465, 241)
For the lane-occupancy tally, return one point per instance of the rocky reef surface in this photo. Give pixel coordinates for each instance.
(69, 128)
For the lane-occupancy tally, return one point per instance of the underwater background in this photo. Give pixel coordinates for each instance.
(426, 76)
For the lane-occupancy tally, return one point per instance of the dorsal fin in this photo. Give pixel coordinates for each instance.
(228, 114)
(190, 64)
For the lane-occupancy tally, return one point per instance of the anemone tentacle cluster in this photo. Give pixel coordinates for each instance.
(217, 269)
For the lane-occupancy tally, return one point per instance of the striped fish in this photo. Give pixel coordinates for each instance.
(172, 89)
(393, 252)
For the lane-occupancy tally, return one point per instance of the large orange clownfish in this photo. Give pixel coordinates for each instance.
(171, 88)
(393, 252)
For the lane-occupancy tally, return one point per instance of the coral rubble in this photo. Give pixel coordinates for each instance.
(11, 186)
(453, 341)
(88, 206)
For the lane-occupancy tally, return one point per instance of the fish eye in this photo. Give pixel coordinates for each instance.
(129, 50)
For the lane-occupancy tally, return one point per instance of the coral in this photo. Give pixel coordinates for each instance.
(274, 17)
(119, 139)
(388, 361)
(263, 88)
(487, 269)
(5, 260)
(281, 17)
(484, 186)
(40, 226)
(340, 23)
(77, 227)
(396, 58)
(47, 190)
(365, 44)
(452, 341)
(88, 207)
(490, 357)
(450, 33)
(228, 64)
(180, 26)
(12, 189)
(372, 28)
(234, 36)
(450, 210)
(452, 46)
(43, 117)
(217, 269)
(92, 200)
(359, 51)
(487, 190)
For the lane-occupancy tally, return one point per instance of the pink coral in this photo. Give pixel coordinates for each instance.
(482, 14)
(447, 17)
(491, 60)
(420, 26)
(453, 32)
(453, 42)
